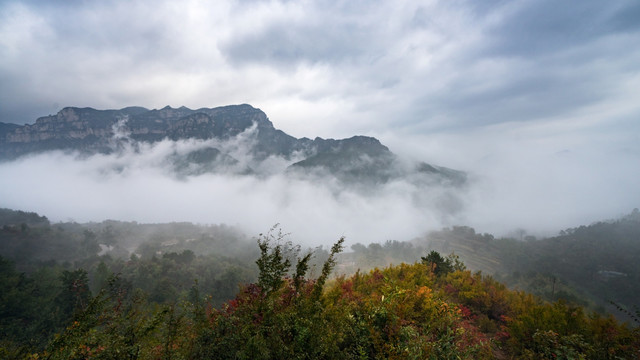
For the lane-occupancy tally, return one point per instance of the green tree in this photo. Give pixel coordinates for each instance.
(74, 295)
(437, 264)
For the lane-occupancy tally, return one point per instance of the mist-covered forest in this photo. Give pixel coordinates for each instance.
(178, 290)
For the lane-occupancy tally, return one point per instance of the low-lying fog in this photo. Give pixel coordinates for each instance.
(538, 191)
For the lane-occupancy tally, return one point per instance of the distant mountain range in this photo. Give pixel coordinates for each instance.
(88, 131)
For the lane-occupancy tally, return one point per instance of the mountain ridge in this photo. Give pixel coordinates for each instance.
(90, 131)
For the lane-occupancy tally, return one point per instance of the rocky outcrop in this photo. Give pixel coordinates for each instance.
(90, 131)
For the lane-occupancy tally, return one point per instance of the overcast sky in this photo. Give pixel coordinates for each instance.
(539, 100)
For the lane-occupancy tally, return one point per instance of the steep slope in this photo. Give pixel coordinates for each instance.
(591, 265)
(230, 132)
(358, 157)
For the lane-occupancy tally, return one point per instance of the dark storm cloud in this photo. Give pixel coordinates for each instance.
(538, 28)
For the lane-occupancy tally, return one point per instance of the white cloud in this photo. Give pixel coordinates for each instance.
(492, 87)
(140, 185)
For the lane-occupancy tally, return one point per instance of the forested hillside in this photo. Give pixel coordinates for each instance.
(147, 291)
(595, 265)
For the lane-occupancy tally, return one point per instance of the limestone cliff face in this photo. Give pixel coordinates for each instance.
(69, 123)
(89, 131)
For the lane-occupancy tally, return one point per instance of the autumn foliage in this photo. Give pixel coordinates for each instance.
(399, 312)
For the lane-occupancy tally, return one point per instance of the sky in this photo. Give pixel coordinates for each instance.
(536, 100)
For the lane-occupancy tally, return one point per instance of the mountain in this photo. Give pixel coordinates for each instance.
(227, 136)
(594, 265)
(208, 292)
(93, 131)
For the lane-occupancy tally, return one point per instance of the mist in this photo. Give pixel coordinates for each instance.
(140, 182)
(541, 178)
(541, 192)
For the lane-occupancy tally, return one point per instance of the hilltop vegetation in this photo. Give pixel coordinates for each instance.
(592, 265)
(400, 312)
(595, 266)
(128, 290)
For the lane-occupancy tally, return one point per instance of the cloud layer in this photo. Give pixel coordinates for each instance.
(541, 192)
(538, 99)
(322, 68)
(140, 183)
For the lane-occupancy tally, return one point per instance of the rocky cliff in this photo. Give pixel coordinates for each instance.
(90, 131)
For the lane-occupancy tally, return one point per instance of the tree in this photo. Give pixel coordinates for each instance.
(75, 293)
(272, 264)
(443, 266)
(438, 264)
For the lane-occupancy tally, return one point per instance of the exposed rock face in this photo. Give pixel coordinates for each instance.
(5, 129)
(83, 129)
(90, 131)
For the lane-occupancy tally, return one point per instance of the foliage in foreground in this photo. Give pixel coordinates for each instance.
(400, 312)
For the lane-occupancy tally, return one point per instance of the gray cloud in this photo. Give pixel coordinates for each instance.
(442, 81)
(537, 28)
(288, 44)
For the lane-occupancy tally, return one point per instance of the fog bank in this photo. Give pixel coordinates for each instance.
(517, 180)
(140, 184)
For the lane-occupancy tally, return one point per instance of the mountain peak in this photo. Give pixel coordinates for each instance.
(90, 131)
